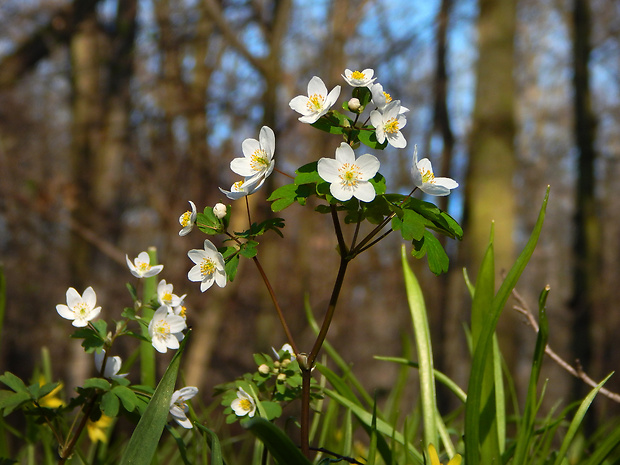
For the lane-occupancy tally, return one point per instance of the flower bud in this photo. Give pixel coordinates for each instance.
(263, 369)
(219, 210)
(286, 362)
(354, 104)
(281, 377)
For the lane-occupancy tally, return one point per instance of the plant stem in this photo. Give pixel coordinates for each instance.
(67, 450)
(287, 331)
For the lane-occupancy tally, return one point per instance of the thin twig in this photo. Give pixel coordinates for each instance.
(577, 372)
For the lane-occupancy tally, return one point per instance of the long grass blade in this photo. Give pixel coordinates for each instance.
(421, 331)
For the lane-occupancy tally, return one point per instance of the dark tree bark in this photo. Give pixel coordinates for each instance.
(587, 226)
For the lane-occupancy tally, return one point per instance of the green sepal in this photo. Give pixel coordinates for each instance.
(363, 94)
(436, 256)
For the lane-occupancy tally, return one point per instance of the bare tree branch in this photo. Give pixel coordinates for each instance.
(577, 371)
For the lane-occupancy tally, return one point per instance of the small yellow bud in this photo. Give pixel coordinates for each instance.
(281, 377)
(263, 369)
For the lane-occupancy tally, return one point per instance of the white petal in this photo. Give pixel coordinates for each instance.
(345, 154)
(65, 312)
(73, 297)
(209, 246)
(195, 274)
(242, 167)
(155, 270)
(196, 255)
(89, 297)
(340, 192)
(328, 169)
(368, 165)
(310, 118)
(299, 104)
(220, 278)
(159, 345)
(434, 189)
(206, 284)
(365, 191)
(267, 141)
(396, 140)
(425, 165)
(447, 182)
(187, 392)
(332, 97)
(317, 86)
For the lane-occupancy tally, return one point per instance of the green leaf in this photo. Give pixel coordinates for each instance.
(127, 397)
(283, 450)
(272, 409)
(110, 404)
(329, 124)
(97, 383)
(411, 225)
(231, 267)
(92, 339)
(10, 402)
(208, 223)
(436, 256)
(307, 174)
(46, 389)
(378, 182)
(13, 382)
(368, 137)
(145, 438)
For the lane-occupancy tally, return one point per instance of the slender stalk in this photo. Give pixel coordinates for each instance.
(306, 376)
(287, 331)
(67, 450)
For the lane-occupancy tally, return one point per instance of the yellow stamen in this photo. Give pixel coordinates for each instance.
(391, 126)
(167, 297)
(162, 328)
(143, 266)
(245, 404)
(207, 267)
(358, 75)
(428, 176)
(315, 102)
(350, 174)
(388, 97)
(259, 160)
(185, 218)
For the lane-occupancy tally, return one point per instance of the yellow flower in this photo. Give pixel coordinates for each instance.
(97, 429)
(432, 452)
(51, 400)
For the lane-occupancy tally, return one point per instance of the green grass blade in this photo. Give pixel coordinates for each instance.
(283, 450)
(484, 343)
(421, 331)
(214, 444)
(143, 443)
(439, 376)
(604, 447)
(577, 419)
(526, 432)
(382, 426)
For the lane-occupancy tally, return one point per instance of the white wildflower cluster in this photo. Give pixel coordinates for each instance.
(350, 176)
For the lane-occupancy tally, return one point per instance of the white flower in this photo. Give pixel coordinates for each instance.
(112, 365)
(141, 267)
(257, 157)
(317, 103)
(348, 176)
(166, 330)
(388, 124)
(209, 266)
(285, 348)
(181, 311)
(381, 98)
(425, 180)
(244, 404)
(187, 220)
(79, 309)
(244, 187)
(359, 78)
(166, 297)
(220, 210)
(178, 405)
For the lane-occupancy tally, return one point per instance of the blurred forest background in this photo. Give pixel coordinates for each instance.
(115, 113)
